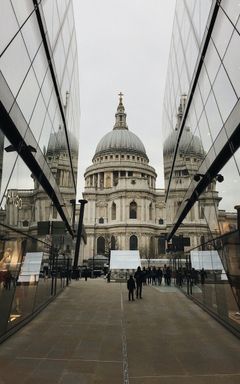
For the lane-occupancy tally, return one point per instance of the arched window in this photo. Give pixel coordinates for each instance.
(113, 243)
(150, 211)
(133, 210)
(113, 211)
(101, 220)
(133, 243)
(101, 246)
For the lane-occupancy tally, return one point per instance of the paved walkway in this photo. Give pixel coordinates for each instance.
(92, 334)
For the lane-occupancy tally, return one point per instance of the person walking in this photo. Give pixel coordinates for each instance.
(203, 275)
(138, 278)
(159, 276)
(168, 275)
(131, 287)
(165, 274)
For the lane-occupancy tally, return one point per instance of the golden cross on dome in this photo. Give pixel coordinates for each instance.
(120, 95)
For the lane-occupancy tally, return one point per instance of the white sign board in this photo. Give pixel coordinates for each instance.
(206, 259)
(209, 260)
(125, 260)
(30, 267)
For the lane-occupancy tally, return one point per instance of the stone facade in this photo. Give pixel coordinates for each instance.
(125, 210)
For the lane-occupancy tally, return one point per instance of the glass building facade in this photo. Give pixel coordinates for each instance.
(39, 123)
(201, 121)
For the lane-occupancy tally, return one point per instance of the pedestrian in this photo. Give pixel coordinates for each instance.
(149, 275)
(165, 274)
(154, 275)
(144, 276)
(138, 278)
(203, 275)
(8, 280)
(131, 287)
(159, 276)
(168, 275)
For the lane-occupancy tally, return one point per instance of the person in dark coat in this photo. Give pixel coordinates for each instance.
(168, 275)
(131, 286)
(203, 275)
(139, 282)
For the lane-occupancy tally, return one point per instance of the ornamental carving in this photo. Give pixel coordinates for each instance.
(101, 204)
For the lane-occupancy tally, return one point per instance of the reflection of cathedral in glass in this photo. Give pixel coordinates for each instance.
(203, 59)
(39, 126)
(25, 208)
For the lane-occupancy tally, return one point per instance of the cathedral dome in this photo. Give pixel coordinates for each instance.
(57, 142)
(120, 139)
(189, 144)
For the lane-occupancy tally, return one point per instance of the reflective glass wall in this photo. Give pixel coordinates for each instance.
(201, 124)
(202, 275)
(39, 125)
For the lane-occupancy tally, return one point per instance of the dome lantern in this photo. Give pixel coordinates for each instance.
(120, 115)
(120, 139)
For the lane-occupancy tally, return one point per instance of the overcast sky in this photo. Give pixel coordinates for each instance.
(122, 46)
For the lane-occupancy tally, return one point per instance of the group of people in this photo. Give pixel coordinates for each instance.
(148, 276)
(192, 276)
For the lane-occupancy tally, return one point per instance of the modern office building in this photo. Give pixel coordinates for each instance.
(39, 123)
(204, 66)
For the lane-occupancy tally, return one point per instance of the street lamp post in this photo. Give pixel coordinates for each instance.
(79, 233)
(73, 202)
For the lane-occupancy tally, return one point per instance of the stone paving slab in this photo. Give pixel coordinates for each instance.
(92, 334)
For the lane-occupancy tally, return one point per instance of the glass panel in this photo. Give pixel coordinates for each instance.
(22, 9)
(225, 96)
(40, 65)
(31, 35)
(14, 74)
(38, 118)
(71, 18)
(222, 32)
(232, 9)
(47, 88)
(190, 5)
(51, 19)
(200, 16)
(61, 5)
(232, 62)
(197, 102)
(192, 52)
(180, 10)
(8, 161)
(184, 81)
(213, 117)
(9, 29)
(228, 189)
(59, 59)
(11, 253)
(28, 95)
(185, 29)
(66, 36)
(204, 84)
(45, 134)
(212, 62)
(204, 132)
